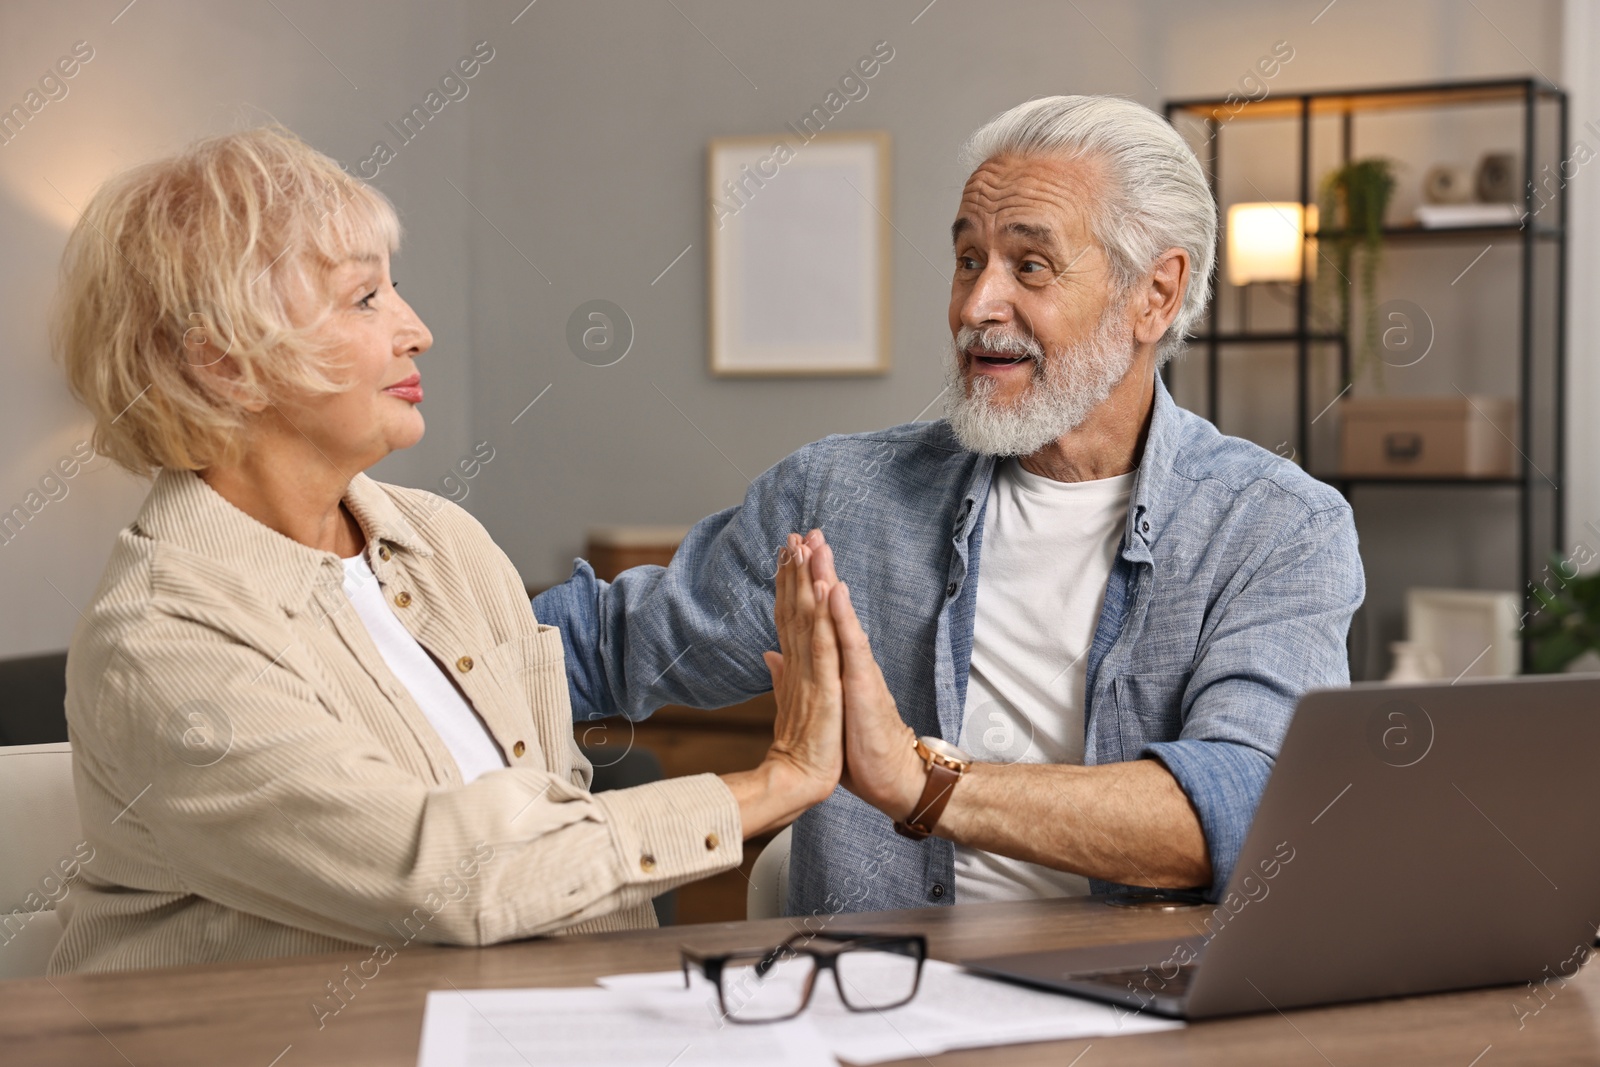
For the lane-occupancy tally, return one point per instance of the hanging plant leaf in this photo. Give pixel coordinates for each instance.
(1353, 201)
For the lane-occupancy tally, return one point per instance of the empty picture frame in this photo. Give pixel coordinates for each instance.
(798, 269)
(1473, 632)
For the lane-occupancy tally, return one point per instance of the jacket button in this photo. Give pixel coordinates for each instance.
(384, 553)
(647, 863)
(937, 892)
(950, 590)
(712, 841)
(402, 599)
(518, 749)
(464, 664)
(1146, 526)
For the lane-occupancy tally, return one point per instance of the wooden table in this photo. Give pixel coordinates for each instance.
(259, 1014)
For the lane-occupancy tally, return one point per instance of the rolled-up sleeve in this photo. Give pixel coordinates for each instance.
(1280, 635)
(690, 633)
(573, 608)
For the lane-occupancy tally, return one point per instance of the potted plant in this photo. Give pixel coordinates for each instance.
(1567, 622)
(1353, 201)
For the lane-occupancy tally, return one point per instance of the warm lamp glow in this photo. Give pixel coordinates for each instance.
(1264, 241)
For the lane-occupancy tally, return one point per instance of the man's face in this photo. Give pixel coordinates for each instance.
(1040, 338)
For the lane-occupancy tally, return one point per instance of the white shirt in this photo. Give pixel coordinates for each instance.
(447, 710)
(1047, 553)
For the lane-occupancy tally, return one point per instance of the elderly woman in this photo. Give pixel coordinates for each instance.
(310, 711)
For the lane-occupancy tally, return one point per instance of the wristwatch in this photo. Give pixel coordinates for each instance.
(946, 764)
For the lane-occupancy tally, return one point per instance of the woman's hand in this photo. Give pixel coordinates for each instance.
(807, 754)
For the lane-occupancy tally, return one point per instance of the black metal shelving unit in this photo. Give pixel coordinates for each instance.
(1541, 426)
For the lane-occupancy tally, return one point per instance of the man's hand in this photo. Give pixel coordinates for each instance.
(1122, 822)
(881, 764)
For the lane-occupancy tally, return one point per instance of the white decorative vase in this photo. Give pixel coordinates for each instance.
(1413, 663)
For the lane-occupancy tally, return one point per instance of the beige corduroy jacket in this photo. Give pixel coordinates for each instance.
(255, 782)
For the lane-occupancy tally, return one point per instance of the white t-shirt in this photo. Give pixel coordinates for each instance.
(1048, 548)
(447, 710)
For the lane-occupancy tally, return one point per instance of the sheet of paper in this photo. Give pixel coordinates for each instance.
(602, 1028)
(953, 1009)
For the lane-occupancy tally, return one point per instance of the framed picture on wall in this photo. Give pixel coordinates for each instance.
(798, 270)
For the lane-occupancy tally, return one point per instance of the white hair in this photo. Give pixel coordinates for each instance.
(1156, 194)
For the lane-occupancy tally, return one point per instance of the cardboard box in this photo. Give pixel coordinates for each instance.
(1428, 436)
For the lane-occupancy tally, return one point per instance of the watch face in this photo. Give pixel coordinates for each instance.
(940, 746)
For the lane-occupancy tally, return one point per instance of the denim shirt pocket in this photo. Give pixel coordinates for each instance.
(1149, 709)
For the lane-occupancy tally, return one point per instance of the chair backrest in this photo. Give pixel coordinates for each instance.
(769, 879)
(41, 850)
(33, 694)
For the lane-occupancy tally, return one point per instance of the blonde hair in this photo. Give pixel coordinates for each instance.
(211, 254)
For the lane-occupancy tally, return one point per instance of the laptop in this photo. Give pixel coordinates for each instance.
(1411, 839)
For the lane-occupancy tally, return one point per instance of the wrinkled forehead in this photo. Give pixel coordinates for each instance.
(1046, 199)
(355, 266)
(358, 261)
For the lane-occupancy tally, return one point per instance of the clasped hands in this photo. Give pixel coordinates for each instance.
(837, 723)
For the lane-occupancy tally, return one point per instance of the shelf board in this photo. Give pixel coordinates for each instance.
(1281, 337)
(1390, 98)
(1444, 482)
(1412, 231)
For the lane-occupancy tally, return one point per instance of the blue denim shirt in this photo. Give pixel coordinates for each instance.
(1230, 597)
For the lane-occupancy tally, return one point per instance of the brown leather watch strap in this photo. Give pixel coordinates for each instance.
(935, 795)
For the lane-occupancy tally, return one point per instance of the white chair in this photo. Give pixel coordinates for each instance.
(769, 879)
(39, 830)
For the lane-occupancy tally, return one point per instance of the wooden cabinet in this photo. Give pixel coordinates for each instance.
(685, 740)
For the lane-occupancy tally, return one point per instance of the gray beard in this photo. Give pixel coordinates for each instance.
(1066, 388)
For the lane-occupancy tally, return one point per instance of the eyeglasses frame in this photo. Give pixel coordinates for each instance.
(711, 965)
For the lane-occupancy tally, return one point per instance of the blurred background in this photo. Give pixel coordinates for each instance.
(571, 167)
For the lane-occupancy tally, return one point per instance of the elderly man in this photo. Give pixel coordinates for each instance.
(1100, 703)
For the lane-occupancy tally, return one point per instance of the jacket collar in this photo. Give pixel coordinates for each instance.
(1161, 446)
(185, 512)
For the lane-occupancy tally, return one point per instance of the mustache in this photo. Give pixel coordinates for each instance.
(1000, 339)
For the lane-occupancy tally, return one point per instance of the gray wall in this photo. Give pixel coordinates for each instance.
(162, 74)
(592, 160)
(581, 149)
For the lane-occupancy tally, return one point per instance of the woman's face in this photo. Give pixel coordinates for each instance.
(374, 338)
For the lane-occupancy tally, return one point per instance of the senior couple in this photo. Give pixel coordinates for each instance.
(1047, 645)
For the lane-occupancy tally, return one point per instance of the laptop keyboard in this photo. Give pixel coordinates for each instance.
(1144, 982)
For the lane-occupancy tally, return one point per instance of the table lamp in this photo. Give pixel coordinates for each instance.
(1265, 245)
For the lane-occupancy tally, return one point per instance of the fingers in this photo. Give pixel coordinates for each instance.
(783, 609)
(809, 728)
(824, 647)
(855, 651)
(821, 559)
(804, 606)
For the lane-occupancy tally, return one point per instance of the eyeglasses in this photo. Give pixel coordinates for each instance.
(872, 973)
